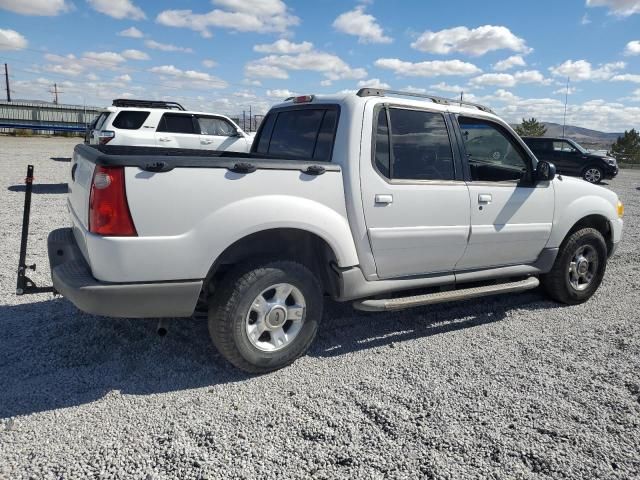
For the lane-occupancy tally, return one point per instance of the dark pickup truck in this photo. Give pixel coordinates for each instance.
(572, 159)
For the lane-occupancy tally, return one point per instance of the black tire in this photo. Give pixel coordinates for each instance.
(589, 174)
(231, 303)
(557, 284)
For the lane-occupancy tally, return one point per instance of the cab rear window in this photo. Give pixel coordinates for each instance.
(306, 133)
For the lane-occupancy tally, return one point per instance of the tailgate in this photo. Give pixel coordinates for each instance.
(80, 189)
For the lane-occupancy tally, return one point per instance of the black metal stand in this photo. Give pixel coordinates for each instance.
(25, 284)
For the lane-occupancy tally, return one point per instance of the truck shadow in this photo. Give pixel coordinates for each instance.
(54, 356)
(41, 188)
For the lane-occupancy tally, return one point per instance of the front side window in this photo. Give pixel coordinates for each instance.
(563, 146)
(216, 126)
(130, 119)
(413, 145)
(176, 123)
(492, 153)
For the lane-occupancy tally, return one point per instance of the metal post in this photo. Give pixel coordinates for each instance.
(250, 124)
(566, 100)
(6, 79)
(24, 283)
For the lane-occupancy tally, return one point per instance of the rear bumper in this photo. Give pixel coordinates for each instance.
(71, 276)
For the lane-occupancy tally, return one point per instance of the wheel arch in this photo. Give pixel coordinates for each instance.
(297, 244)
(597, 222)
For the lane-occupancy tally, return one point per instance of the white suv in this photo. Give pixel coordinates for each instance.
(148, 123)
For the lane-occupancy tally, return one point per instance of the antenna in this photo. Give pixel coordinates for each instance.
(566, 100)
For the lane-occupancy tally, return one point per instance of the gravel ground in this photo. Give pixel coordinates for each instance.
(506, 387)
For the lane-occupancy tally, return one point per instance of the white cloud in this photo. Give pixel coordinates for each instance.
(277, 66)
(280, 93)
(47, 8)
(118, 9)
(582, 70)
(284, 47)
(497, 79)
(509, 80)
(104, 58)
(123, 78)
(411, 89)
(632, 48)
(444, 87)
(12, 40)
(374, 83)
(620, 8)
(477, 41)
(509, 63)
(585, 20)
(238, 15)
(200, 78)
(132, 54)
(627, 77)
(362, 25)
(132, 32)
(209, 63)
(166, 47)
(63, 64)
(93, 77)
(432, 68)
(563, 91)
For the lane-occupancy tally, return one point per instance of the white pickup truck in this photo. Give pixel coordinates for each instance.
(359, 197)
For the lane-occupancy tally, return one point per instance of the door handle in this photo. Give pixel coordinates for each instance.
(485, 198)
(206, 142)
(164, 139)
(384, 199)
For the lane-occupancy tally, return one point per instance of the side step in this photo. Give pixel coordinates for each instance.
(391, 304)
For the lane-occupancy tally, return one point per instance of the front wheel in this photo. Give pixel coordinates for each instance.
(593, 174)
(265, 315)
(578, 269)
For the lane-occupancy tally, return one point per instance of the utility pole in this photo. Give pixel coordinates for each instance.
(250, 124)
(566, 100)
(55, 93)
(6, 79)
(244, 124)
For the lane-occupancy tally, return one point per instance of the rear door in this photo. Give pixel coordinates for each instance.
(178, 130)
(416, 203)
(218, 133)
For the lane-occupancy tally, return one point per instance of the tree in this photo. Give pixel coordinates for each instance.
(627, 146)
(531, 128)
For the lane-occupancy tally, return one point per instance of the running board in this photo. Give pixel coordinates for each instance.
(391, 304)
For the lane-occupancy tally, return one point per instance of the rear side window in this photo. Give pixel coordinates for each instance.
(176, 123)
(130, 120)
(415, 146)
(303, 134)
(216, 126)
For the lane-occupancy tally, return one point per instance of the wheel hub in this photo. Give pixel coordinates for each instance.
(276, 317)
(583, 267)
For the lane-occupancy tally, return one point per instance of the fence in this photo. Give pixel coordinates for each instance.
(628, 161)
(45, 118)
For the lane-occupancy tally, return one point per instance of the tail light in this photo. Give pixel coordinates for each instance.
(109, 213)
(105, 136)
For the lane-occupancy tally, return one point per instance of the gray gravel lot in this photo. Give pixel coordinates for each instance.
(505, 387)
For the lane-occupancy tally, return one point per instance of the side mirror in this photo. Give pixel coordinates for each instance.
(239, 133)
(545, 171)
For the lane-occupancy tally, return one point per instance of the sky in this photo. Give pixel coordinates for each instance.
(225, 56)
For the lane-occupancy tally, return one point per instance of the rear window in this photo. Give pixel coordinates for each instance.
(299, 133)
(176, 123)
(130, 120)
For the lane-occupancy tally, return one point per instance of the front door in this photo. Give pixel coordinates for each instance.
(416, 204)
(219, 134)
(511, 216)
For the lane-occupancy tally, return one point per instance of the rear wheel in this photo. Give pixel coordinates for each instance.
(578, 269)
(265, 316)
(593, 174)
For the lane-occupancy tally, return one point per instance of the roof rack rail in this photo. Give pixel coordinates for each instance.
(130, 102)
(376, 92)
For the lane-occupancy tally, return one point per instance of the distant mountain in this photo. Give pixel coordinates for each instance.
(592, 139)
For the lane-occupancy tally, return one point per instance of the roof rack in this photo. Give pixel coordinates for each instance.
(129, 102)
(376, 92)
